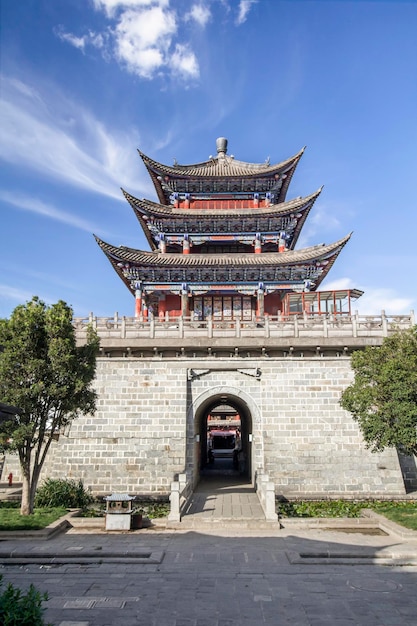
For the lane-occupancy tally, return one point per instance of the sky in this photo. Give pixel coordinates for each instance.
(86, 83)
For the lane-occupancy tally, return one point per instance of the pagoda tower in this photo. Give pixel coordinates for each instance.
(223, 244)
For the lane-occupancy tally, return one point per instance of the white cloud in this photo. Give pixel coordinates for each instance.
(93, 39)
(144, 35)
(143, 39)
(383, 299)
(243, 10)
(61, 140)
(334, 285)
(321, 221)
(28, 203)
(16, 295)
(184, 62)
(77, 42)
(374, 299)
(111, 7)
(199, 13)
(11, 297)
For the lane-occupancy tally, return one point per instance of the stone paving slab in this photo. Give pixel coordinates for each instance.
(213, 571)
(224, 577)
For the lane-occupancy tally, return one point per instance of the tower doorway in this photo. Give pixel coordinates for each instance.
(225, 438)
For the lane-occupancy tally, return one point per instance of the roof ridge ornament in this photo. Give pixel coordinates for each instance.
(221, 146)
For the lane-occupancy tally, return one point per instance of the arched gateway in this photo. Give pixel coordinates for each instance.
(240, 437)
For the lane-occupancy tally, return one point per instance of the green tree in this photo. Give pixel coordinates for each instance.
(383, 395)
(46, 375)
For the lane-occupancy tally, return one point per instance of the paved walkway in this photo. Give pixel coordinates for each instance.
(224, 499)
(221, 573)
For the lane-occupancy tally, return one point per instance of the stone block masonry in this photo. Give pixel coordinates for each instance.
(150, 411)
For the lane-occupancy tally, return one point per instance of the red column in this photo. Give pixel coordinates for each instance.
(260, 306)
(162, 306)
(185, 245)
(281, 242)
(184, 301)
(138, 303)
(258, 244)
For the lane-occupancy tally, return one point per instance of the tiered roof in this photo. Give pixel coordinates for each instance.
(216, 202)
(286, 268)
(221, 174)
(156, 219)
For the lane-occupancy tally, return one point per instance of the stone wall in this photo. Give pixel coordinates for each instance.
(312, 446)
(151, 411)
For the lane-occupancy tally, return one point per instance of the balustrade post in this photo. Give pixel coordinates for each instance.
(296, 329)
(355, 324)
(384, 324)
(92, 319)
(174, 500)
(182, 480)
(267, 327)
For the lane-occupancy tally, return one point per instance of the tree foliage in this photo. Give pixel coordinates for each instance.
(46, 375)
(383, 395)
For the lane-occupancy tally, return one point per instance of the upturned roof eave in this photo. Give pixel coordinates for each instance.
(248, 170)
(289, 257)
(146, 230)
(148, 207)
(319, 279)
(300, 224)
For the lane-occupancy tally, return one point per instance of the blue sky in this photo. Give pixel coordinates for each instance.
(84, 83)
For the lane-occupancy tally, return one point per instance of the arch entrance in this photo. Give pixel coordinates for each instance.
(223, 429)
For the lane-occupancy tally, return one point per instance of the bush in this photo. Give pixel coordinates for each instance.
(19, 609)
(69, 494)
(153, 510)
(320, 508)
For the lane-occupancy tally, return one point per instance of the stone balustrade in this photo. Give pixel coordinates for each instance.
(265, 489)
(181, 492)
(312, 327)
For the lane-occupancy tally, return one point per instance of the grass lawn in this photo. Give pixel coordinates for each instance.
(403, 513)
(10, 518)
